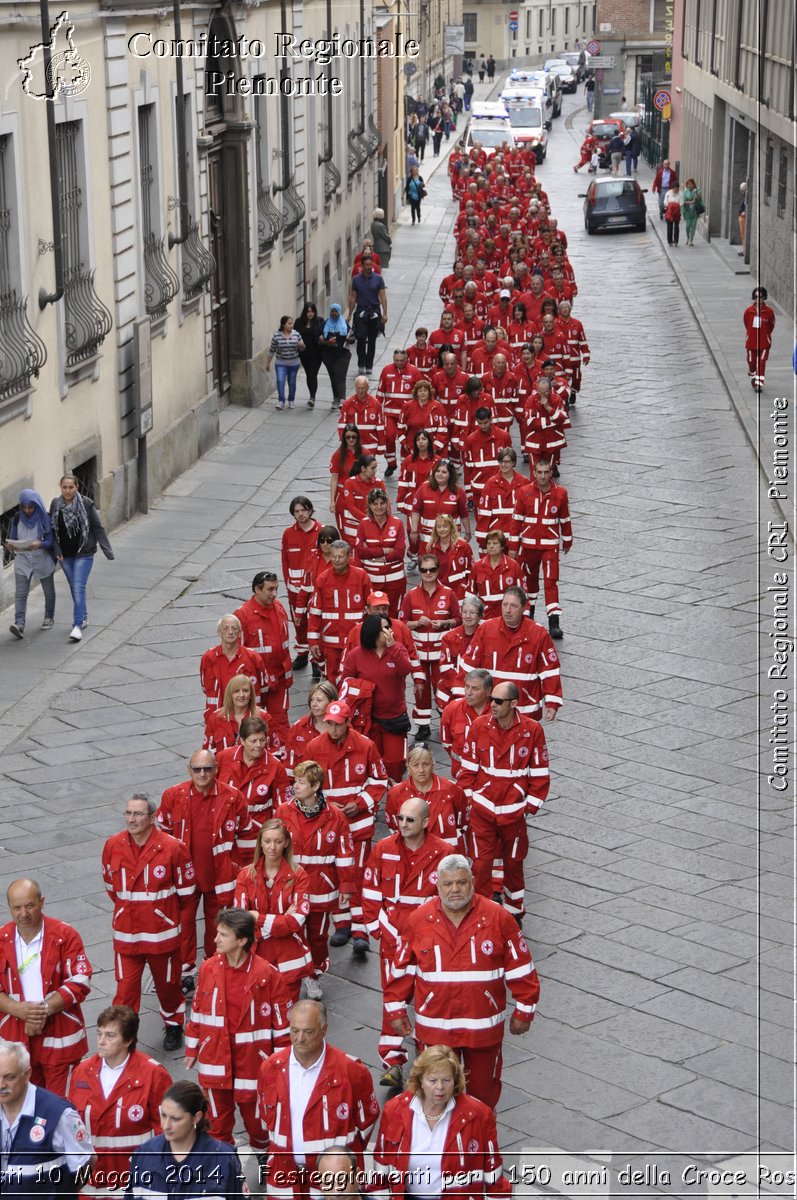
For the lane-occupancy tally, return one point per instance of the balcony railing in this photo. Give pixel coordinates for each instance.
(373, 136)
(270, 221)
(87, 322)
(198, 265)
(358, 152)
(332, 179)
(160, 282)
(22, 352)
(294, 208)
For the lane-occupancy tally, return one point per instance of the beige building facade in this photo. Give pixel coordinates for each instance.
(187, 270)
(543, 29)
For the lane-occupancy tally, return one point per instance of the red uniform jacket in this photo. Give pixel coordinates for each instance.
(759, 337)
(496, 505)
(322, 845)
(216, 670)
(296, 546)
(455, 721)
(338, 603)
(221, 733)
(263, 785)
(448, 808)
(433, 417)
(544, 427)
(395, 386)
(470, 1163)
(402, 634)
(572, 331)
(441, 605)
(452, 647)
(227, 1057)
(351, 504)
(503, 390)
(300, 734)
(458, 976)
(66, 970)
(455, 564)
(121, 1122)
(368, 417)
(504, 772)
(353, 771)
(280, 935)
(479, 454)
(265, 633)
(490, 582)
(380, 551)
(524, 656)
(431, 503)
(412, 474)
(396, 881)
(149, 887)
(230, 822)
(542, 519)
(342, 1109)
(316, 565)
(425, 360)
(448, 388)
(385, 698)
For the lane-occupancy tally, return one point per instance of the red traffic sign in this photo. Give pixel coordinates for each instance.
(513, 16)
(593, 47)
(662, 99)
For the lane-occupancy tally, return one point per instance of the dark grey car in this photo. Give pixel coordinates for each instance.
(614, 204)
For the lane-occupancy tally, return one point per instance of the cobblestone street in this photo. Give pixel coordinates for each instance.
(659, 883)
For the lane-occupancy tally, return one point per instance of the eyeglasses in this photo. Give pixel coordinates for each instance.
(429, 570)
(407, 820)
(499, 700)
(326, 541)
(201, 770)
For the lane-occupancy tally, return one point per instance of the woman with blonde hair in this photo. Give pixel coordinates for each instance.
(434, 1139)
(277, 893)
(222, 726)
(448, 805)
(453, 554)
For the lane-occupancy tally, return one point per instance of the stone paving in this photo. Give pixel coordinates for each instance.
(660, 885)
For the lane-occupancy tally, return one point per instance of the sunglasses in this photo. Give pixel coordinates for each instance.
(326, 541)
(200, 770)
(407, 820)
(499, 700)
(429, 570)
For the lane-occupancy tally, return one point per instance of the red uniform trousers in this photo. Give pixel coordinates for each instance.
(393, 749)
(395, 594)
(482, 1070)
(489, 841)
(211, 905)
(221, 1111)
(391, 433)
(532, 560)
(353, 916)
(391, 1044)
(53, 1076)
(333, 657)
(276, 704)
(299, 622)
(422, 709)
(165, 970)
(316, 930)
(757, 363)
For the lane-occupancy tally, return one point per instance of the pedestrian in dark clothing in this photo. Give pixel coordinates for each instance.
(415, 192)
(632, 151)
(437, 133)
(616, 150)
(482, 68)
(421, 138)
(310, 327)
(335, 352)
(383, 242)
(368, 304)
(491, 68)
(589, 92)
(468, 93)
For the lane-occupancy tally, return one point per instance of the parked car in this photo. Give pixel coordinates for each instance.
(603, 130)
(573, 59)
(614, 204)
(631, 120)
(556, 94)
(567, 77)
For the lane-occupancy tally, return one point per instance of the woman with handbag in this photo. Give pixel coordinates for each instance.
(672, 214)
(385, 662)
(415, 192)
(692, 207)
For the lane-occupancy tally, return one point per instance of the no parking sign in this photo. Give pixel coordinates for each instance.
(662, 99)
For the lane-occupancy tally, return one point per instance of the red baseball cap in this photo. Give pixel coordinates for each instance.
(338, 712)
(378, 598)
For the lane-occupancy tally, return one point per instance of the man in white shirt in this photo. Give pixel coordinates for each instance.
(43, 1142)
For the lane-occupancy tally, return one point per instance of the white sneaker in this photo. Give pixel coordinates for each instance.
(76, 635)
(313, 989)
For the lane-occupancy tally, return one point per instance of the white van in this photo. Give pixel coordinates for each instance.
(529, 122)
(517, 93)
(489, 124)
(490, 109)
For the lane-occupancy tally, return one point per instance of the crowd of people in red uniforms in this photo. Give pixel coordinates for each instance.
(272, 833)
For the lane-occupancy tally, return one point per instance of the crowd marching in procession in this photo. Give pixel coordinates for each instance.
(431, 589)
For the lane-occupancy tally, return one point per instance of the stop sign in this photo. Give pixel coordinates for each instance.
(513, 16)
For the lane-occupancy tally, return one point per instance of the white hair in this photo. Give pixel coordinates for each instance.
(453, 862)
(19, 1052)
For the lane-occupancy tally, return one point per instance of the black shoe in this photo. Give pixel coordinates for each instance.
(341, 936)
(555, 472)
(300, 662)
(359, 948)
(316, 671)
(573, 398)
(498, 897)
(173, 1037)
(423, 732)
(554, 630)
(187, 984)
(519, 918)
(391, 470)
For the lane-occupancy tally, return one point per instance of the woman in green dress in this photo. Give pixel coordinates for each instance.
(692, 207)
